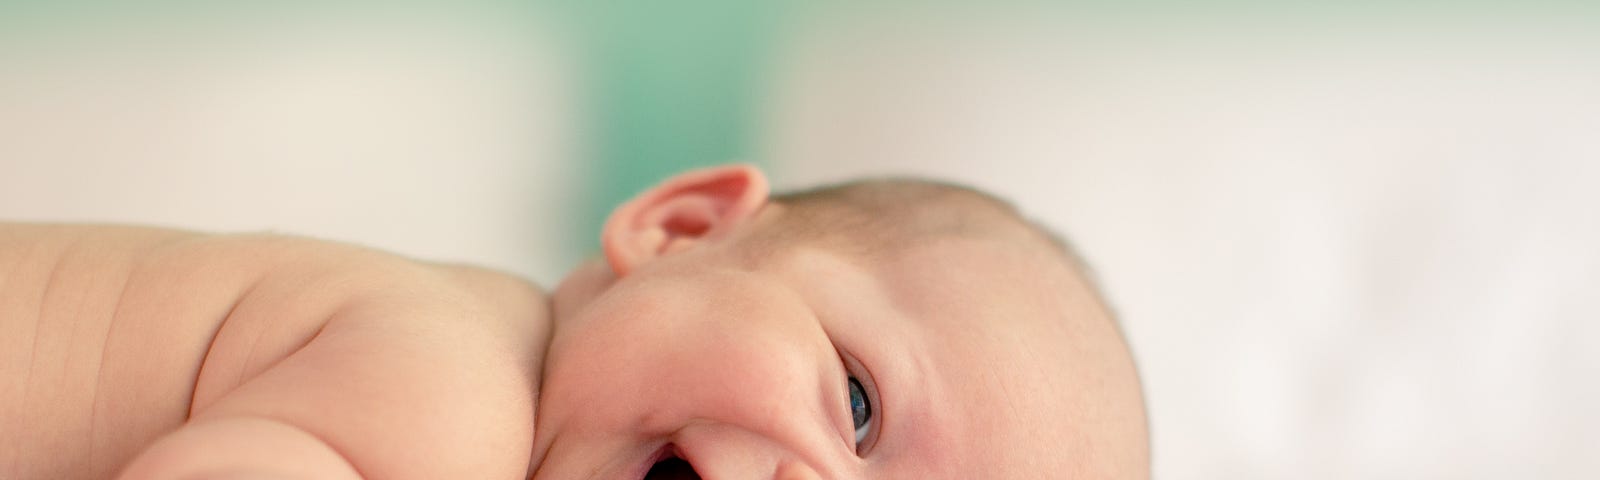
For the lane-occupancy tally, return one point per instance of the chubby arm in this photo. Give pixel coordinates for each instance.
(348, 363)
(419, 372)
(260, 356)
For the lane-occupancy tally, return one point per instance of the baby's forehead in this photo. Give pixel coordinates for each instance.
(1002, 271)
(949, 282)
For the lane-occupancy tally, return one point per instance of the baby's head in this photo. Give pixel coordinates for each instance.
(883, 329)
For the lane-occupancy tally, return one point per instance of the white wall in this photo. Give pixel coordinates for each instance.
(443, 133)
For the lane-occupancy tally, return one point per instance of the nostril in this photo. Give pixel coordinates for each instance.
(672, 468)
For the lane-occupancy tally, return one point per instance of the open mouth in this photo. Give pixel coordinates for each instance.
(669, 466)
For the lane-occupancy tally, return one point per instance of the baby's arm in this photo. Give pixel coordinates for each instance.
(419, 372)
(306, 359)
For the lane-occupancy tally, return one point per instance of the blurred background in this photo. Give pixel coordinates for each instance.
(1347, 241)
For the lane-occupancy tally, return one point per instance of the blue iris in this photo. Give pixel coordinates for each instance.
(860, 410)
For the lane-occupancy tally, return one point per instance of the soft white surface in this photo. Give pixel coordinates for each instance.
(1342, 249)
(443, 133)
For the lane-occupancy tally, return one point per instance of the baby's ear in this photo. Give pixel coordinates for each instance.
(681, 212)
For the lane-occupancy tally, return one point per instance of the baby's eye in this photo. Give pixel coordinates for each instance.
(860, 411)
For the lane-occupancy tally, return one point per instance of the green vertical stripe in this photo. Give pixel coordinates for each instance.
(673, 86)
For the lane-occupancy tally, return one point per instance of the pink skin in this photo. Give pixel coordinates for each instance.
(983, 358)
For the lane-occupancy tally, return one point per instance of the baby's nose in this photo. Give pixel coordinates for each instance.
(796, 471)
(760, 403)
(728, 452)
(752, 403)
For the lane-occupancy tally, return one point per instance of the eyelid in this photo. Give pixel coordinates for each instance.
(855, 368)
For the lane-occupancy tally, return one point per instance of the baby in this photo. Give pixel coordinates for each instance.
(885, 329)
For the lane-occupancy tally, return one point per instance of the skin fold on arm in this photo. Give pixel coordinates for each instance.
(141, 353)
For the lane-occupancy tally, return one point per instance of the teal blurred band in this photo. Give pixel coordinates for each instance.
(671, 86)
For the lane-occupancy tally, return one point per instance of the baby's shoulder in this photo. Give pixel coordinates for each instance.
(103, 324)
(142, 327)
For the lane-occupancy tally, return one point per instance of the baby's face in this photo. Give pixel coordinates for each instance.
(954, 358)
